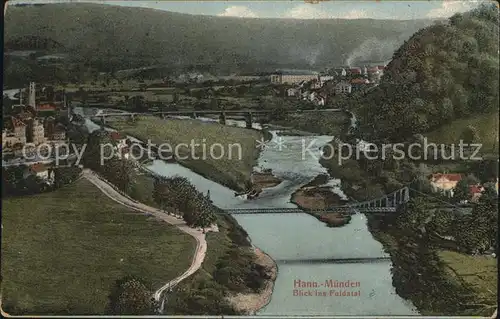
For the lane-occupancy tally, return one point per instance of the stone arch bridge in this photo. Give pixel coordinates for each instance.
(247, 115)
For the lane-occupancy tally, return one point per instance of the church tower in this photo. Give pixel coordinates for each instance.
(32, 95)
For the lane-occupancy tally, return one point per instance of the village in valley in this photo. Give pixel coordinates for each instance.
(318, 87)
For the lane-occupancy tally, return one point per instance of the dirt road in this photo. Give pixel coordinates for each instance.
(201, 243)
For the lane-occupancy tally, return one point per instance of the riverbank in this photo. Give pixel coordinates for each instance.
(230, 265)
(421, 268)
(316, 196)
(249, 304)
(436, 280)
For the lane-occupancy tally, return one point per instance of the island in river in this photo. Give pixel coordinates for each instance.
(317, 195)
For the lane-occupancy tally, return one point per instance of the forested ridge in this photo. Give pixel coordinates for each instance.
(125, 37)
(443, 72)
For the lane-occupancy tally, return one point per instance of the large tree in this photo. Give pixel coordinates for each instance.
(461, 191)
(96, 149)
(470, 135)
(120, 172)
(130, 296)
(65, 175)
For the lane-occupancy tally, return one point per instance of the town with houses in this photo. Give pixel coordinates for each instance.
(35, 132)
(32, 121)
(317, 87)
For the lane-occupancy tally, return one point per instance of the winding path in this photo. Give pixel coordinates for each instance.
(201, 243)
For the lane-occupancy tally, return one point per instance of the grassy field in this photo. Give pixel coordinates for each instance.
(230, 170)
(62, 251)
(476, 272)
(486, 125)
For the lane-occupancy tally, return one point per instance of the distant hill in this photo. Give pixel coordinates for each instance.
(138, 36)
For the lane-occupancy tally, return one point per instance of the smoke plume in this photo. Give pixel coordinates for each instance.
(309, 55)
(374, 49)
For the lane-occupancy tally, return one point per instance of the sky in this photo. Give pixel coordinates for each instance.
(296, 9)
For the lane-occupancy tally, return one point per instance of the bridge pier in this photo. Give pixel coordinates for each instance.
(193, 115)
(222, 118)
(248, 120)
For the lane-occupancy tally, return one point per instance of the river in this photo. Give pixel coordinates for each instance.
(289, 237)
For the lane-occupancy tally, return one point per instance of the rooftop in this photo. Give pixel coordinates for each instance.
(38, 167)
(475, 189)
(450, 177)
(296, 72)
(116, 135)
(46, 107)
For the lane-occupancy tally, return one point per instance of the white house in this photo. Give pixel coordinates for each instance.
(41, 171)
(305, 95)
(320, 100)
(312, 96)
(343, 87)
(121, 144)
(315, 84)
(292, 92)
(325, 78)
(445, 183)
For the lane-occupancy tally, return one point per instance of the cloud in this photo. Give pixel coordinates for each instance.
(450, 7)
(238, 11)
(305, 11)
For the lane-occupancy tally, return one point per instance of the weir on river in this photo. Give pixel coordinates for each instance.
(301, 238)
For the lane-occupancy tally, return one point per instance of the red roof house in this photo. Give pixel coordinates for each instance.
(46, 107)
(116, 136)
(38, 168)
(445, 182)
(475, 191)
(449, 177)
